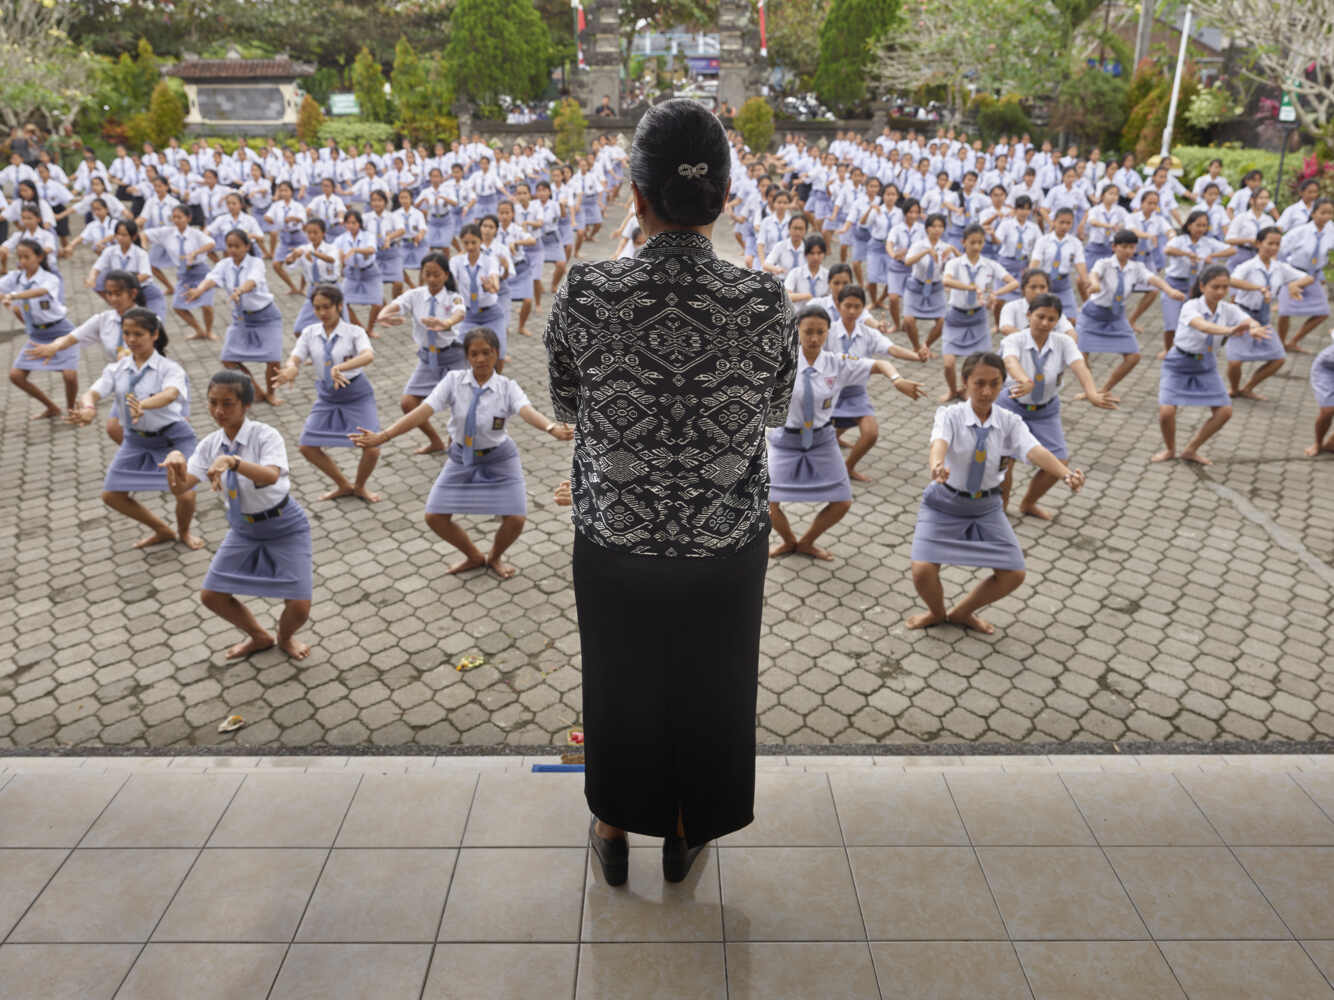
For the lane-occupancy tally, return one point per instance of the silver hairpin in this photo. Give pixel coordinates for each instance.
(698, 170)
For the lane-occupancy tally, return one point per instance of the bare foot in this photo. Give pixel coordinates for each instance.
(1139, 330)
(372, 335)
(925, 620)
(1247, 394)
(787, 548)
(201, 336)
(339, 491)
(854, 474)
(1295, 349)
(1166, 455)
(815, 552)
(524, 332)
(502, 569)
(252, 645)
(157, 538)
(1196, 457)
(427, 449)
(1033, 510)
(193, 541)
(948, 395)
(366, 494)
(973, 622)
(1312, 451)
(46, 414)
(295, 649)
(473, 562)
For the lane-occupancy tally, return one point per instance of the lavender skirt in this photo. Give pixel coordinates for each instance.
(254, 336)
(1189, 380)
(1102, 330)
(1044, 423)
(1314, 301)
(1094, 252)
(861, 241)
(1171, 307)
(1014, 267)
(290, 239)
(64, 361)
(1247, 348)
(961, 531)
(852, 404)
(896, 277)
(815, 476)
(439, 231)
(270, 558)
(966, 331)
(187, 279)
(923, 304)
(495, 317)
(134, 467)
(390, 262)
(363, 286)
(339, 412)
(492, 485)
(155, 300)
(431, 368)
(1322, 377)
(877, 263)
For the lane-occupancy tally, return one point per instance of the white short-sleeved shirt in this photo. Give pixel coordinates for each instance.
(226, 222)
(159, 373)
(415, 304)
(785, 256)
(862, 342)
(1245, 226)
(290, 215)
(503, 399)
(1059, 254)
(1134, 277)
(1017, 239)
(229, 277)
(135, 261)
(176, 243)
(487, 266)
(103, 330)
(329, 208)
(1273, 277)
(926, 268)
(800, 279)
(1192, 341)
(956, 425)
(44, 310)
(97, 231)
(1058, 354)
(832, 374)
(313, 346)
(986, 273)
(43, 236)
(259, 444)
(1015, 314)
(1183, 268)
(1307, 247)
(1114, 217)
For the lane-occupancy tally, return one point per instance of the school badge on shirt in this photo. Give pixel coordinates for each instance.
(498, 423)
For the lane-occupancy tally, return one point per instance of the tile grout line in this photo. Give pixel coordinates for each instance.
(977, 860)
(856, 893)
(1328, 978)
(458, 856)
(161, 916)
(296, 928)
(1119, 881)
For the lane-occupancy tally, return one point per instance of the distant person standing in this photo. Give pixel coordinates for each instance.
(605, 110)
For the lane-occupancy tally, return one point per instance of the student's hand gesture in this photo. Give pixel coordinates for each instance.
(923, 353)
(1100, 401)
(175, 467)
(562, 495)
(913, 390)
(218, 469)
(563, 432)
(1178, 295)
(940, 472)
(286, 375)
(367, 439)
(134, 405)
(1256, 331)
(89, 282)
(1294, 291)
(41, 352)
(81, 416)
(1021, 387)
(1074, 479)
(340, 380)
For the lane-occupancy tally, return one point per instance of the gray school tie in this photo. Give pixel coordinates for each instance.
(979, 463)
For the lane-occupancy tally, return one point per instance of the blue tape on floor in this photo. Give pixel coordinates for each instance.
(558, 767)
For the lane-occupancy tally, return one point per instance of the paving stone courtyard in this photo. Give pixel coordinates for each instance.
(1166, 602)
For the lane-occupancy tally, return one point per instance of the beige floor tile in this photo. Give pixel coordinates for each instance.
(931, 762)
(831, 762)
(648, 907)
(203, 972)
(1247, 807)
(1073, 763)
(1322, 953)
(948, 970)
(1319, 784)
(52, 809)
(286, 810)
(1013, 809)
(528, 810)
(1246, 970)
(1267, 761)
(406, 763)
(1319, 762)
(924, 893)
(1098, 970)
(408, 810)
(656, 971)
(379, 895)
(1194, 892)
(297, 762)
(892, 809)
(245, 763)
(127, 763)
(1299, 882)
(515, 894)
(43, 763)
(1059, 893)
(23, 873)
(502, 972)
(1139, 809)
(253, 894)
(1184, 762)
(792, 809)
(164, 810)
(788, 894)
(64, 971)
(352, 972)
(800, 970)
(106, 895)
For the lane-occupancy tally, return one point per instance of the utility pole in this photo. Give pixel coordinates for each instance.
(1146, 12)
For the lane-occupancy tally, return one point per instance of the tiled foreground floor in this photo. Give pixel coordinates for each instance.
(982, 878)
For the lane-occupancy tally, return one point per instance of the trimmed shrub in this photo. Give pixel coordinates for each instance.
(755, 122)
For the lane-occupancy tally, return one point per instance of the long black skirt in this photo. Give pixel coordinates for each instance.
(671, 653)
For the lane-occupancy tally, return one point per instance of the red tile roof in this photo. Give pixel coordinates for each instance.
(238, 69)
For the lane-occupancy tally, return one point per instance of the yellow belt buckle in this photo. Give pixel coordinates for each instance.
(432, 348)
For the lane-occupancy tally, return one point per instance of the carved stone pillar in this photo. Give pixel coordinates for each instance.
(601, 43)
(741, 68)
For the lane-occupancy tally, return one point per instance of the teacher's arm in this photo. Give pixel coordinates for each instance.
(561, 367)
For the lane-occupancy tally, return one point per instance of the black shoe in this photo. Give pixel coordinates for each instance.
(613, 853)
(677, 859)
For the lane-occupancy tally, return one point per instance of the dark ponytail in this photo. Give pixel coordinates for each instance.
(680, 162)
(148, 320)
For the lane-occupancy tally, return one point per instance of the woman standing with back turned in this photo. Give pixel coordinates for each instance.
(670, 365)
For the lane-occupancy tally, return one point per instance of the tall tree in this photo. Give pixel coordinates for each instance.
(848, 38)
(793, 28)
(368, 84)
(497, 47)
(42, 75)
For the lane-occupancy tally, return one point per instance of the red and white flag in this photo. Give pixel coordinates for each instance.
(764, 46)
(579, 11)
(582, 64)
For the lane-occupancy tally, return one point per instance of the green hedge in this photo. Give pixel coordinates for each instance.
(346, 131)
(1237, 162)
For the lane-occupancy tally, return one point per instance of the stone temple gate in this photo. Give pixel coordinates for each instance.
(741, 68)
